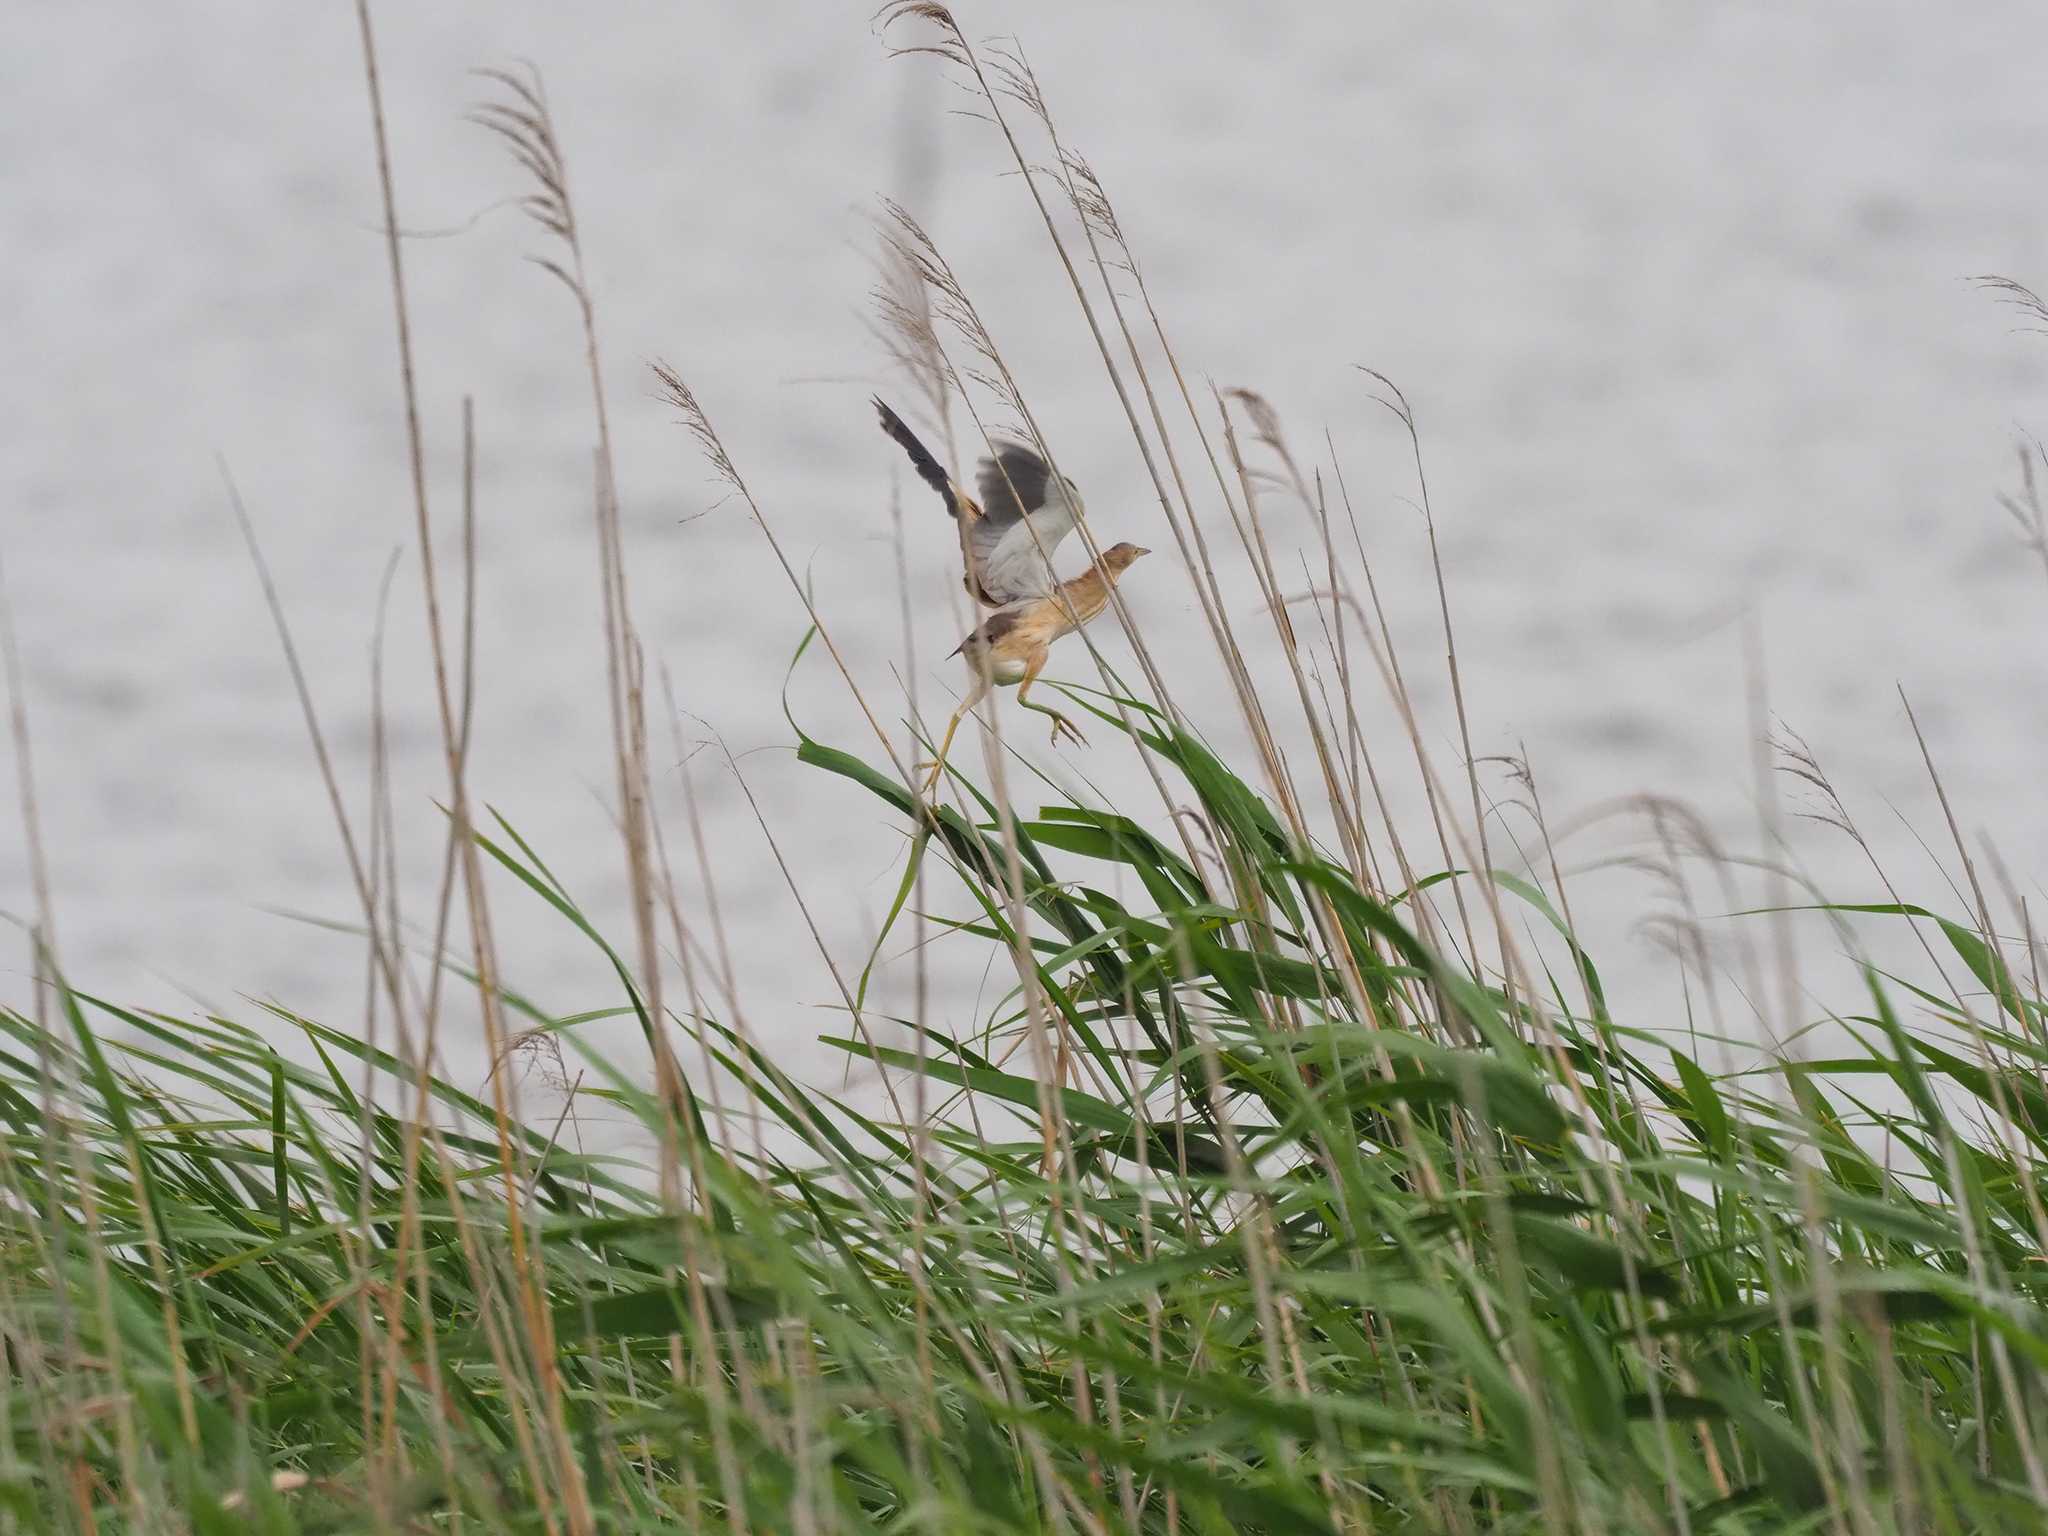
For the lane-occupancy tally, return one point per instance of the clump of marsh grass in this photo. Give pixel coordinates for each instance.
(1575, 1281)
(1272, 1196)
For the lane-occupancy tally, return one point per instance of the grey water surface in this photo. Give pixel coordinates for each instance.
(1679, 294)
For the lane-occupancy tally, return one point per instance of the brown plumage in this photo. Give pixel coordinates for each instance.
(1007, 539)
(1010, 647)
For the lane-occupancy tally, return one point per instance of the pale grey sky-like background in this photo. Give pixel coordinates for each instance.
(1679, 294)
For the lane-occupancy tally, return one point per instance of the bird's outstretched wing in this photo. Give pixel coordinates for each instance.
(1010, 533)
(1026, 511)
(929, 470)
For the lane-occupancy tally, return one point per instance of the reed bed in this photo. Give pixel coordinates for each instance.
(1289, 1187)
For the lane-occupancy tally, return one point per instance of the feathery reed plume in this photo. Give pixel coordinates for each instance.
(2018, 296)
(946, 302)
(695, 419)
(528, 1266)
(1795, 759)
(906, 328)
(527, 129)
(1091, 201)
(522, 120)
(691, 415)
(949, 45)
(2027, 507)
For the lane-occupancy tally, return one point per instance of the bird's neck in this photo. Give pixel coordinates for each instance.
(1086, 595)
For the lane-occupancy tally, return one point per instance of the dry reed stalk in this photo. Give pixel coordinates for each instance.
(694, 418)
(705, 1335)
(2001, 1356)
(524, 123)
(385, 947)
(526, 1258)
(426, 1051)
(1619, 1210)
(377, 1368)
(1093, 206)
(854, 1010)
(954, 48)
(1251, 530)
(698, 422)
(1804, 766)
(921, 253)
(43, 964)
(45, 978)
(1052, 1057)
(920, 997)
(59, 1142)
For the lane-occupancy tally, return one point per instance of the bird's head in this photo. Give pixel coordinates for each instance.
(1119, 558)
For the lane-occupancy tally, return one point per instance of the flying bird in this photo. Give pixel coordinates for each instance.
(1008, 536)
(1012, 530)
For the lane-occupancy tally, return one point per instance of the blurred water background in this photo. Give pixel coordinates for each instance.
(1679, 295)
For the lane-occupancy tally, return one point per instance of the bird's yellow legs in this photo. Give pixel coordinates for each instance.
(938, 764)
(1059, 721)
(975, 693)
(974, 696)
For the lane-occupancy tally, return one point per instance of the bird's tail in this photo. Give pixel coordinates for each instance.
(929, 470)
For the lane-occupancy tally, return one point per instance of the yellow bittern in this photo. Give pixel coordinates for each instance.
(1008, 537)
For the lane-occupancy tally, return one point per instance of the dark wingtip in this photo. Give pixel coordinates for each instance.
(928, 468)
(895, 426)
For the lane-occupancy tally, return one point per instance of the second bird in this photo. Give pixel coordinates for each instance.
(1007, 539)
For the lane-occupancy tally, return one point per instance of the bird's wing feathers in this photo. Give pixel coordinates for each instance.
(928, 468)
(1013, 563)
(1012, 484)
(1025, 515)
(1013, 529)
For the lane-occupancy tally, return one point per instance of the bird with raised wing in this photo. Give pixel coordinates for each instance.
(1009, 534)
(1007, 538)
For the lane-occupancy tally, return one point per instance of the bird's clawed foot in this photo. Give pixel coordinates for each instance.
(931, 772)
(1062, 723)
